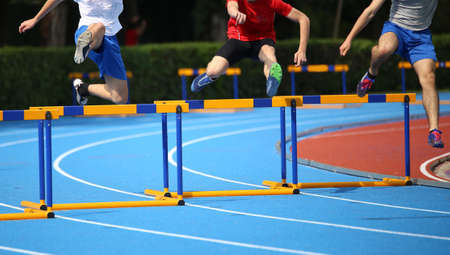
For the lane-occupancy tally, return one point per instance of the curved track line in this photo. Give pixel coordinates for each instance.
(10, 249)
(424, 171)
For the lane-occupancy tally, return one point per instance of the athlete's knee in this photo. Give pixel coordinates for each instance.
(382, 51)
(119, 98)
(216, 68)
(427, 79)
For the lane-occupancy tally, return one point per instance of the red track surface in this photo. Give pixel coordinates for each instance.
(376, 148)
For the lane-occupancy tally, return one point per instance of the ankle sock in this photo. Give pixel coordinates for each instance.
(83, 90)
(371, 76)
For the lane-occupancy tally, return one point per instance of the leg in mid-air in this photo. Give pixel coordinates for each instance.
(216, 67)
(425, 70)
(90, 38)
(272, 70)
(387, 45)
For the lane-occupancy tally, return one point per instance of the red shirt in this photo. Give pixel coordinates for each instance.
(260, 18)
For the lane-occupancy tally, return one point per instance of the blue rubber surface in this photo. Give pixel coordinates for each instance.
(116, 159)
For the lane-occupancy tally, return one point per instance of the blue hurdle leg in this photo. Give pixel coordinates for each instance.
(407, 144)
(283, 144)
(179, 155)
(48, 143)
(235, 87)
(294, 141)
(344, 82)
(183, 87)
(293, 83)
(165, 153)
(41, 161)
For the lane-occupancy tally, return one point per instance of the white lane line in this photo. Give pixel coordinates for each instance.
(56, 165)
(155, 232)
(383, 231)
(190, 237)
(424, 171)
(22, 251)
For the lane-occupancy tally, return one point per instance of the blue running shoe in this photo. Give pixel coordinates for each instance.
(200, 82)
(274, 80)
(364, 85)
(435, 138)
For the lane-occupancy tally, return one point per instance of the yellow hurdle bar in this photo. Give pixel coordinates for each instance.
(227, 193)
(92, 75)
(438, 64)
(311, 185)
(27, 215)
(191, 71)
(114, 204)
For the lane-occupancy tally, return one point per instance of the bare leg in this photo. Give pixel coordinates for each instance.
(115, 90)
(425, 71)
(267, 56)
(387, 45)
(91, 39)
(217, 67)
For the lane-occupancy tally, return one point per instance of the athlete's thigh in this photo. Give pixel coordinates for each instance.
(388, 42)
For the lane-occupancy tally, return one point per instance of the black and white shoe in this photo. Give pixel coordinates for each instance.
(81, 100)
(82, 48)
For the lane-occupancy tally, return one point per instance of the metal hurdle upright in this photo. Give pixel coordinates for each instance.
(402, 65)
(189, 72)
(87, 75)
(318, 69)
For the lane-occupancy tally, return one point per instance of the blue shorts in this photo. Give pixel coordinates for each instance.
(412, 45)
(107, 57)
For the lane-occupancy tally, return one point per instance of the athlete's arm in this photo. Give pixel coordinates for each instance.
(364, 19)
(303, 20)
(233, 11)
(29, 24)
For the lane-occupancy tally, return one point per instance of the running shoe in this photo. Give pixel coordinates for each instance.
(81, 100)
(435, 138)
(364, 85)
(82, 47)
(200, 82)
(274, 80)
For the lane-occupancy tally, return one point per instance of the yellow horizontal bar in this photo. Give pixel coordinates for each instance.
(296, 69)
(32, 205)
(230, 193)
(404, 64)
(399, 98)
(341, 68)
(1, 115)
(117, 204)
(228, 103)
(385, 182)
(317, 68)
(233, 71)
(285, 101)
(92, 75)
(167, 107)
(29, 215)
(109, 109)
(185, 72)
(342, 99)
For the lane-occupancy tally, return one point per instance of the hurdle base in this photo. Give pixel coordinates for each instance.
(227, 193)
(104, 205)
(28, 214)
(311, 185)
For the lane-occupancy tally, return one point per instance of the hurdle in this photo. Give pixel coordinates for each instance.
(44, 115)
(292, 69)
(87, 75)
(283, 187)
(402, 65)
(45, 207)
(184, 72)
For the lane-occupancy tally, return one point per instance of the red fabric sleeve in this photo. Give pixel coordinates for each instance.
(281, 7)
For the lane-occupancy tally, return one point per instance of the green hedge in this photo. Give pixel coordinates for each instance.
(39, 76)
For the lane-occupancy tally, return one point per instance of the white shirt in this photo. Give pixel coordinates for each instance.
(104, 11)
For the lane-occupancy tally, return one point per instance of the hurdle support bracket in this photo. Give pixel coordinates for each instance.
(28, 214)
